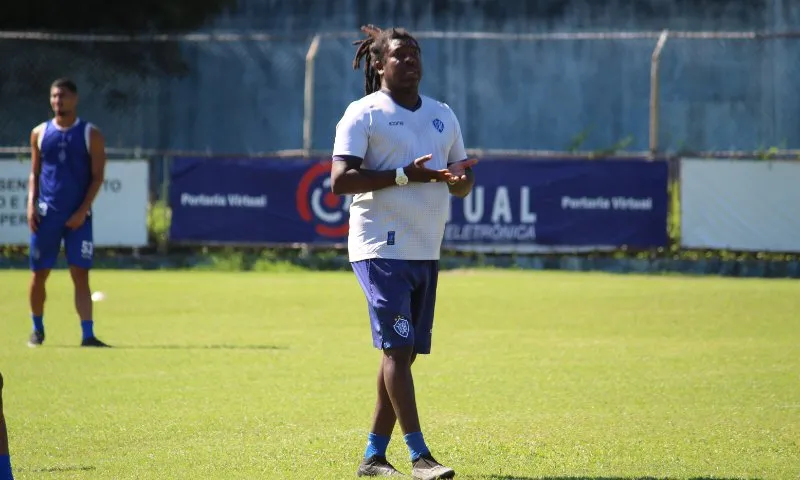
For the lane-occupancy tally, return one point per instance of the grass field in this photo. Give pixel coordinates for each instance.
(533, 375)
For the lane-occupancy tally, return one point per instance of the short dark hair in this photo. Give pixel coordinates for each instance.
(65, 83)
(373, 47)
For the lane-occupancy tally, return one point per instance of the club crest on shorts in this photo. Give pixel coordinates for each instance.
(401, 326)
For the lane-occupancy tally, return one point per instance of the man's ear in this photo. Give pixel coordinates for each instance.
(377, 65)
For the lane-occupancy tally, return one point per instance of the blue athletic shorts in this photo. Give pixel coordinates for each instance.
(46, 243)
(401, 296)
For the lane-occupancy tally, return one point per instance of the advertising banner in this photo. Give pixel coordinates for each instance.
(748, 205)
(255, 201)
(119, 210)
(516, 205)
(562, 205)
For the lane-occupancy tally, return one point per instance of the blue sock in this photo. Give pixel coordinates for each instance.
(416, 445)
(5, 468)
(88, 328)
(38, 323)
(376, 445)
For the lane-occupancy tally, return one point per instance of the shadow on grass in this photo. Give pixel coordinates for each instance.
(64, 469)
(512, 477)
(181, 347)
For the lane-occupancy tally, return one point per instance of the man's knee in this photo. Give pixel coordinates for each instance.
(80, 276)
(40, 276)
(401, 356)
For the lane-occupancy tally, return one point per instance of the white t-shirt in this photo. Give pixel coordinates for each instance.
(401, 222)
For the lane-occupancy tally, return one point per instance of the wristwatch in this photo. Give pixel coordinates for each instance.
(400, 176)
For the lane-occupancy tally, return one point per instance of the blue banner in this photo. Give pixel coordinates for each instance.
(516, 205)
(566, 204)
(255, 201)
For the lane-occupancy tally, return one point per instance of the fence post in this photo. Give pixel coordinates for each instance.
(163, 242)
(655, 106)
(308, 96)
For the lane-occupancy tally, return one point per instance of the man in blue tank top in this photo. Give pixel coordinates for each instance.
(67, 169)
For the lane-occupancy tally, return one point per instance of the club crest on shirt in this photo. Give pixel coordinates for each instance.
(401, 326)
(438, 125)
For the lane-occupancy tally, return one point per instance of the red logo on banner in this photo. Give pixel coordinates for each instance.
(318, 205)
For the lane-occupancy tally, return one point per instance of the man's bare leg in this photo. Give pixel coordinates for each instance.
(5, 458)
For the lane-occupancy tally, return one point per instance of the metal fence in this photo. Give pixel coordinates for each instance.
(658, 92)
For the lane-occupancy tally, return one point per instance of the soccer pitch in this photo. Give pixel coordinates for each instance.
(533, 375)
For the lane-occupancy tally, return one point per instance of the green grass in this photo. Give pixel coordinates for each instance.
(533, 375)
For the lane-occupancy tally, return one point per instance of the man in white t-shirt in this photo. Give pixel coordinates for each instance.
(401, 155)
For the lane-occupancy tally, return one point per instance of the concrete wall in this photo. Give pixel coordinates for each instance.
(248, 96)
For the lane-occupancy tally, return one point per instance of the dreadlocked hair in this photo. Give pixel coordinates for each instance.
(372, 48)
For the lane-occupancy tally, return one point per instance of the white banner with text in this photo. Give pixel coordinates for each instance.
(119, 210)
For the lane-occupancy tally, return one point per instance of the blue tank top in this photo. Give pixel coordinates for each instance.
(66, 167)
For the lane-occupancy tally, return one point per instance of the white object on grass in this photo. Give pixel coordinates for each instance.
(98, 296)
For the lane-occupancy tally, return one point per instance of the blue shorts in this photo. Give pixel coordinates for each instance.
(46, 243)
(401, 296)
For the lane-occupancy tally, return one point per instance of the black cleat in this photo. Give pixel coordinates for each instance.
(36, 340)
(377, 466)
(426, 468)
(93, 342)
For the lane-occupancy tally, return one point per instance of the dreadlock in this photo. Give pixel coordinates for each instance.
(372, 48)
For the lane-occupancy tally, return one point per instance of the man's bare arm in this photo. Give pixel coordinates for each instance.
(347, 176)
(97, 151)
(36, 168)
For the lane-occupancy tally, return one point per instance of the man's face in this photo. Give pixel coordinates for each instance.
(62, 101)
(402, 65)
